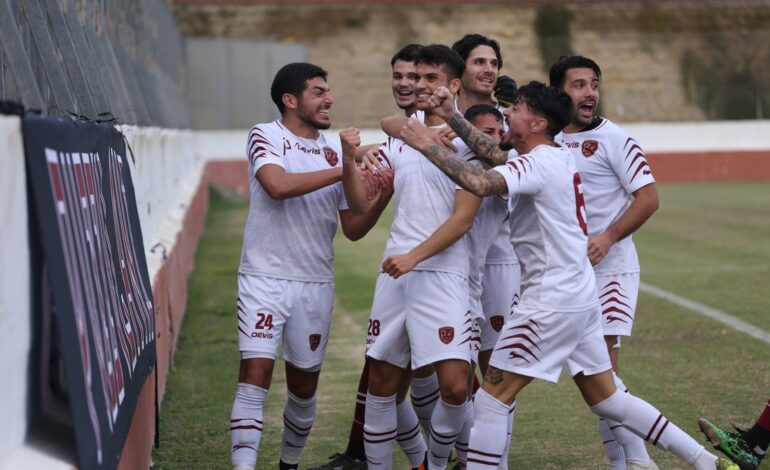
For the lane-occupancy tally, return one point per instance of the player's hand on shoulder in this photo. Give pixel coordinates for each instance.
(350, 139)
(385, 177)
(445, 136)
(416, 135)
(442, 102)
(398, 265)
(505, 90)
(371, 160)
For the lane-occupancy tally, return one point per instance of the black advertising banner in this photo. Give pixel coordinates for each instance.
(92, 246)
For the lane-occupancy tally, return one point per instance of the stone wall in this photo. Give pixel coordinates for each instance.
(640, 45)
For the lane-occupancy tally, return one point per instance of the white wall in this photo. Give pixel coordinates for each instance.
(654, 137)
(15, 320)
(169, 165)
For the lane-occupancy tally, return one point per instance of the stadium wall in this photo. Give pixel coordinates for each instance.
(677, 152)
(171, 174)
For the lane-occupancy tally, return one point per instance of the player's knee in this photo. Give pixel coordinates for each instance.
(302, 382)
(256, 371)
(455, 393)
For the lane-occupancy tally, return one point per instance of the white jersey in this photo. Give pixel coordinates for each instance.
(612, 165)
(423, 199)
(291, 238)
(485, 231)
(501, 250)
(548, 231)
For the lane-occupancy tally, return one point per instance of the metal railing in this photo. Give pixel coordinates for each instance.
(95, 58)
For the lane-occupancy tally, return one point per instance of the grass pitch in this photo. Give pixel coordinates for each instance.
(708, 242)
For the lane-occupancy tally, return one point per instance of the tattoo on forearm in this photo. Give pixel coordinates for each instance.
(494, 376)
(484, 146)
(471, 177)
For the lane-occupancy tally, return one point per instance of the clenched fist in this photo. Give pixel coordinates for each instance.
(350, 139)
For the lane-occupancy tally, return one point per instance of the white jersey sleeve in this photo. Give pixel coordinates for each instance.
(522, 176)
(630, 163)
(261, 147)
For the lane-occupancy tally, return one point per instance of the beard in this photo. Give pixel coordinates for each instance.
(308, 117)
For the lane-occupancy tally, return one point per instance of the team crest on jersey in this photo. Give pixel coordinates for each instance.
(446, 334)
(497, 322)
(331, 156)
(315, 340)
(589, 148)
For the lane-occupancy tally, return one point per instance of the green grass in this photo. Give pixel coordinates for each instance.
(708, 242)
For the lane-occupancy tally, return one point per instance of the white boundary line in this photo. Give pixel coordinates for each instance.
(707, 311)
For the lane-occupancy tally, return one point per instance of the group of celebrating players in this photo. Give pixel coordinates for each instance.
(510, 248)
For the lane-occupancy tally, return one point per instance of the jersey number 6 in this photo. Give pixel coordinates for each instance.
(580, 203)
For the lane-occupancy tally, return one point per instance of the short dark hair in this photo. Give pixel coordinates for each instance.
(549, 102)
(482, 110)
(558, 72)
(471, 41)
(442, 56)
(406, 53)
(292, 79)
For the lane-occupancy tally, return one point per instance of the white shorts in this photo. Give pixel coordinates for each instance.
(618, 294)
(499, 294)
(420, 318)
(294, 314)
(539, 344)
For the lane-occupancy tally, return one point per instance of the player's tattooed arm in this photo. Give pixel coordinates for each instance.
(494, 375)
(484, 146)
(470, 177)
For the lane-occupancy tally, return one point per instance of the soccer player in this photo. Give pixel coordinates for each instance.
(420, 311)
(403, 80)
(285, 278)
(557, 322)
(620, 195)
(485, 232)
(747, 447)
(499, 274)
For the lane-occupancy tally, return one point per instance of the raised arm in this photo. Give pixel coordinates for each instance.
(484, 146)
(457, 225)
(468, 176)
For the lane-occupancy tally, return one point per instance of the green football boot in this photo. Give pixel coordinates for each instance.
(731, 444)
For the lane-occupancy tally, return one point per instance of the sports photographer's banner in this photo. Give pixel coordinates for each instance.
(86, 211)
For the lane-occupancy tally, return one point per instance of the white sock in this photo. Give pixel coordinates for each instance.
(612, 449)
(504, 459)
(646, 421)
(379, 431)
(490, 428)
(461, 444)
(445, 426)
(298, 417)
(408, 434)
(423, 394)
(633, 445)
(246, 424)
